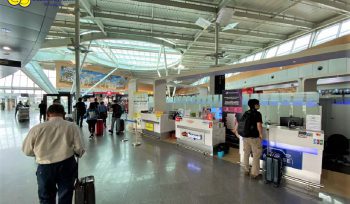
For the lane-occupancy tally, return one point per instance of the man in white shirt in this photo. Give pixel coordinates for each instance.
(54, 144)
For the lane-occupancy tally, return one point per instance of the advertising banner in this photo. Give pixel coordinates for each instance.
(88, 78)
(232, 101)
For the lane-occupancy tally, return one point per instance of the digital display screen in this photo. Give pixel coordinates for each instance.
(217, 113)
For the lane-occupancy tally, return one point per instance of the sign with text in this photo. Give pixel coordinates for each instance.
(149, 127)
(232, 101)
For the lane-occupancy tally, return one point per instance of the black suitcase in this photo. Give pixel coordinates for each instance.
(273, 169)
(84, 191)
(273, 165)
(122, 125)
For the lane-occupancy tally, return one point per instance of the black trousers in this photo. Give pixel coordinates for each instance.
(42, 115)
(91, 124)
(57, 178)
(80, 118)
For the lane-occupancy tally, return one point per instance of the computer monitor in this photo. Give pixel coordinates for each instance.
(288, 121)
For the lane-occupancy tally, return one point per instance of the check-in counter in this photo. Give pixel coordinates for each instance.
(302, 150)
(157, 125)
(199, 134)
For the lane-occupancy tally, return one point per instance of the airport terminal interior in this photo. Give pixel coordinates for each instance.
(182, 72)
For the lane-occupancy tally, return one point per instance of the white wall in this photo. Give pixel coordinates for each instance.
(335, 118)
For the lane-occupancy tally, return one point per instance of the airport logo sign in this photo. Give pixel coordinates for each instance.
(23, 3)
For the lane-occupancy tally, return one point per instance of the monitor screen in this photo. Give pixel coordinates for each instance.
(284, 121)
(217, 113)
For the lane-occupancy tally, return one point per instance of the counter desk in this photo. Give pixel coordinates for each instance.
(199, 134)
(302, 150)
(158, 126)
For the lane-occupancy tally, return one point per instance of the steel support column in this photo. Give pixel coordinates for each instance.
(77, 50)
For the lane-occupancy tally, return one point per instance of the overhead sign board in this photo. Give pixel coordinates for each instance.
(10, 63)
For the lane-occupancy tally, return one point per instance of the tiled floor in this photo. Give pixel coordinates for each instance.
(155, 172)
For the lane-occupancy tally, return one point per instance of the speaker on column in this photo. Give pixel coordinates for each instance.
(219, 84)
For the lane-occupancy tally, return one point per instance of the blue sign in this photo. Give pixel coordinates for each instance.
(291, 158)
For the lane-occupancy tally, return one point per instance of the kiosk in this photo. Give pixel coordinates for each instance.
(157, 125)
(301, 149)
(199, 134)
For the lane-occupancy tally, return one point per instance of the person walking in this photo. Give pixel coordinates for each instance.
(102, 109)
(117, 113)
(19, 105)
(91, 118)
(252, 138)
(81, 110)
(54, 144)
(42, 108)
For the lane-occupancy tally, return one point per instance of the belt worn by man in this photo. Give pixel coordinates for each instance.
(54, 144)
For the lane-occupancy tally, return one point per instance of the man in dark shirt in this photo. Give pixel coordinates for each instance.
(117, 113)
(81, 110)
(42, 107)
(252, 138)
(96, 102)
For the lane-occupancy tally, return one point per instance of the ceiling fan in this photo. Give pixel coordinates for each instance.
(82, 48)
(224, 20)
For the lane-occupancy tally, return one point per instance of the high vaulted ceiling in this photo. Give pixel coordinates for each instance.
(172, 23)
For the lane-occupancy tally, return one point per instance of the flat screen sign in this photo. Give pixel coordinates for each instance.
(232, 101)
(10, 63)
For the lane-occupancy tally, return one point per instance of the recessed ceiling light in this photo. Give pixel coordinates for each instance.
(6, 48)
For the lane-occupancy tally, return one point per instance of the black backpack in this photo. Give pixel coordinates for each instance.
(246, 125)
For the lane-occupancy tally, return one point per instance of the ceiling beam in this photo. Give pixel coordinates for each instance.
(198, 7)
(207, 40)
(88, 8)
(140, 19)
(241, 13)
(343, 7)
(277, 19)
(190, 25)
(248, 33)
(98, 36)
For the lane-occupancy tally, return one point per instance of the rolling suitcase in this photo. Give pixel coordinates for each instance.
(99, 127)
(273, 166)
(122, 125)
(84, 191)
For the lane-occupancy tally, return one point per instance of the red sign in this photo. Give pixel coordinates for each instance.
(248, 90)
(178, 119)
(107, 92)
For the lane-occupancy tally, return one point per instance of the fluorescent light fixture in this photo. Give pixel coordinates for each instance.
(159, 74)
(89, 31)
(201, 22)
(6, 48)
(230, 26)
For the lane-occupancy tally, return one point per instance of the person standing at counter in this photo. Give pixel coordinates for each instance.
(252, 136)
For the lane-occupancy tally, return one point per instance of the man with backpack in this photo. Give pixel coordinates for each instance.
(250, 128)
(117, 113)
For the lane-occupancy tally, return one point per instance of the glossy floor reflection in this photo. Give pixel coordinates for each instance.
(155, 172)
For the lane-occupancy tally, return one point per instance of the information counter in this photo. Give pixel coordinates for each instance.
(156, 125)
(302, 150)
(199, 134)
